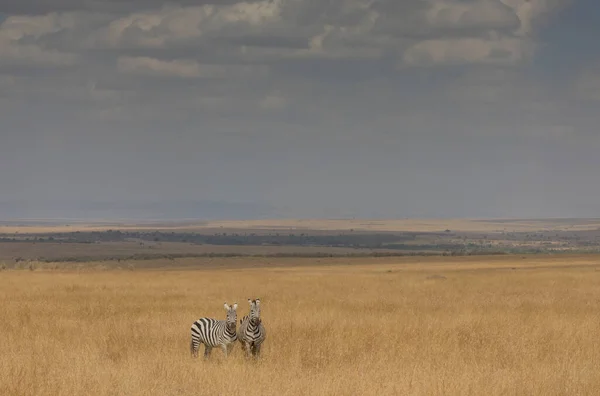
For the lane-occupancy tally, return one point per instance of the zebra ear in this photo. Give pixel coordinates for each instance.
(226, 306)
(234, 306)
(258, 301)
(249, 301)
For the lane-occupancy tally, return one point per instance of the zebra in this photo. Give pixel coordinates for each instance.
(251, 333)
(212, 332)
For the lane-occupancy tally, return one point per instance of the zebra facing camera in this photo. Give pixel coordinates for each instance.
(223, 333)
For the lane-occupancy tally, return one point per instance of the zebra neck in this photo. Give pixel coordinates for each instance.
(230, 332)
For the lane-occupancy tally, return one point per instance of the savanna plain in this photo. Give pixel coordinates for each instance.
(506, 325)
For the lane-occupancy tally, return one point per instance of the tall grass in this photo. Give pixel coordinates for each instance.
(360, 330)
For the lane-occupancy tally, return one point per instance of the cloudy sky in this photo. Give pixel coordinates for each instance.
(412, 108)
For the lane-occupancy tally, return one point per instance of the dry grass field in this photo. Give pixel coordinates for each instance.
(389, 225)
(413, 225)
(392, 326)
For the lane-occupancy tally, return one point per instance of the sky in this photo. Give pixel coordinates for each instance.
(300, 108)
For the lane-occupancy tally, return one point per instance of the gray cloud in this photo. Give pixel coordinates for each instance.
(40, 7)
(413, 108)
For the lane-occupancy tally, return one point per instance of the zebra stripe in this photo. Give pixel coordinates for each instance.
(251, 333)
(212, 333)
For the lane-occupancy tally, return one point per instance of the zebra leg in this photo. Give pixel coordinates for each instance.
(193, 350)
(257, 350)
(225, 349)
(243, 346)
(207, 351)
(247, 349)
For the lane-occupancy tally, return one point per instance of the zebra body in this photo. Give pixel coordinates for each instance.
(212, 333)
(251, 333)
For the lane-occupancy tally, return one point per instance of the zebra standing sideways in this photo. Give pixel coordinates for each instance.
(252, 332)
(213, 332)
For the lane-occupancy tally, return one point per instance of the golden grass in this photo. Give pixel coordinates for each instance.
(411, 225)
(388, 328)
(391, 225)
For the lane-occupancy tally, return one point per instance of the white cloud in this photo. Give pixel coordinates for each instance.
(243, 83)
(18, 27)
(18, 49)
(342, 43)
(156, 29)
(531, 11)
(340, 29)
(152, 66)
(483, 14)
(185, 68)
(463, 51)
(506, 24)
(452, 31)
(270, 54)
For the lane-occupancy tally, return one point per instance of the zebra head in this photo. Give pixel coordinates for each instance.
(254, 311)
(231, 315)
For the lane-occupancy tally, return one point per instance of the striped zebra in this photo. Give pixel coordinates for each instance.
(251, 333)
(212, 332)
